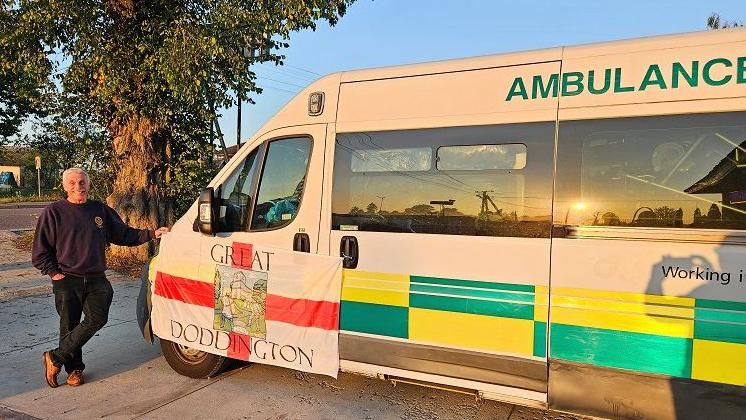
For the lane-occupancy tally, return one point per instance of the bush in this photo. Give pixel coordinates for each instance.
(22, 195)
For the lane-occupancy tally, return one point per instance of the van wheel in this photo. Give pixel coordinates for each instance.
(192, 362)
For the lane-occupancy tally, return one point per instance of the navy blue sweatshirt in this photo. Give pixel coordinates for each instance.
(72, 238)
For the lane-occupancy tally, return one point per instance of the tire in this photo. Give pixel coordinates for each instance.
(191, 362)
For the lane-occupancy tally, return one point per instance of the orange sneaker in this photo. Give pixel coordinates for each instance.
(75, 378)
(50, 369)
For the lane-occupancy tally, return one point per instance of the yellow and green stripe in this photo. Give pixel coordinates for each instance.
(720, 341)
(500, 317)
(375, 303)
(676, 336)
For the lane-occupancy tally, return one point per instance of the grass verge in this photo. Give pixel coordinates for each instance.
(29, 198)
(130, 266)
(24, 240)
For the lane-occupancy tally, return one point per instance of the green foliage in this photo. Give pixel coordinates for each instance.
(24, 73)
(715, 22)
(25, 195)
(73, 138)
(169, 62)
(192, 170)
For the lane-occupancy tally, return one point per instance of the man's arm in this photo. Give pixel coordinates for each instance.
(121, 234)
(44, 253)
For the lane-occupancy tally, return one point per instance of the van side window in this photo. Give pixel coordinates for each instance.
(235, 196)
(672, 172)
(482, 157)
(282, 183)
(486, 181)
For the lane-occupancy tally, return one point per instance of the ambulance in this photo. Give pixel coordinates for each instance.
(562, 228)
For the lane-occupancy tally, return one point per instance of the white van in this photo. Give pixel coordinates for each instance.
(563, 228)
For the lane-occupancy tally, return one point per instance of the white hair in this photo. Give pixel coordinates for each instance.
(71, 171)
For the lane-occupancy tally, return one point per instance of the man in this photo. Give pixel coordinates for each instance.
(69, 246)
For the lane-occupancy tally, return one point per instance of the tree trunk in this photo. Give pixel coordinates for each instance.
(141, 153)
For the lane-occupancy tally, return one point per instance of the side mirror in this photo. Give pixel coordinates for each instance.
(205, 207)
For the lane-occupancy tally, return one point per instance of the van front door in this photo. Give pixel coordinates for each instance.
(268, 201)
(271, 195)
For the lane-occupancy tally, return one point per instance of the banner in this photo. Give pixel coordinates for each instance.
(247, 302)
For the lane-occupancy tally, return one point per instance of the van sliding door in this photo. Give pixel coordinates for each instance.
(450, 229)
(649, 276)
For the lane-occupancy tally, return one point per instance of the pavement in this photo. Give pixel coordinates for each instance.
(126, 377)
(30, 327)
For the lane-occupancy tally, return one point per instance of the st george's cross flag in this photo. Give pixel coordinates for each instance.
(248, 302)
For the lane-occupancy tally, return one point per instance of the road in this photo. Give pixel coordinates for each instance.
(127, 378)
(19, 218)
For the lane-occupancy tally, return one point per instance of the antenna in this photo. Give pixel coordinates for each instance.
(381, 206)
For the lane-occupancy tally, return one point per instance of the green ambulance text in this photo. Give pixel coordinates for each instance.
(610, 80)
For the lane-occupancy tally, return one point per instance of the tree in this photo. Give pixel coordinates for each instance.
(420, 209)
(24, 73)
(714, 22)
(371, 209)
(610, 219)
(73, 139)
(665, 213)
(153, 74)
(697, 216)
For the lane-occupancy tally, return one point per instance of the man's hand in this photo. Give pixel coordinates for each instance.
(58, 276)
(160, 231)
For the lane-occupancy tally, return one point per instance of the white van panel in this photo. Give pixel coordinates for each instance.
(453, 256)
(653, 108)
(295, 112)
(450, 66)
(473, 97)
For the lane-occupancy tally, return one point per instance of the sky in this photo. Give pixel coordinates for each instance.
(377, 33)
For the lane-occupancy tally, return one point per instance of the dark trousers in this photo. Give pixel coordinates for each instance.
(76, 296)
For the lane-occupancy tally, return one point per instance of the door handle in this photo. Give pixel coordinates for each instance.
(301, 242)
(349, 251)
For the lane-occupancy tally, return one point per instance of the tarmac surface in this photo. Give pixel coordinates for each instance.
(126, 377)
(18, 218)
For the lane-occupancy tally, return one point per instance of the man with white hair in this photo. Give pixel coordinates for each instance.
(70, 247)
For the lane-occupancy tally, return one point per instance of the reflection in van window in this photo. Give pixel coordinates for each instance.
(482, 156)
(382, 160)
(677, 172)
(481, 185)
(282, 183)
(235, 196)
